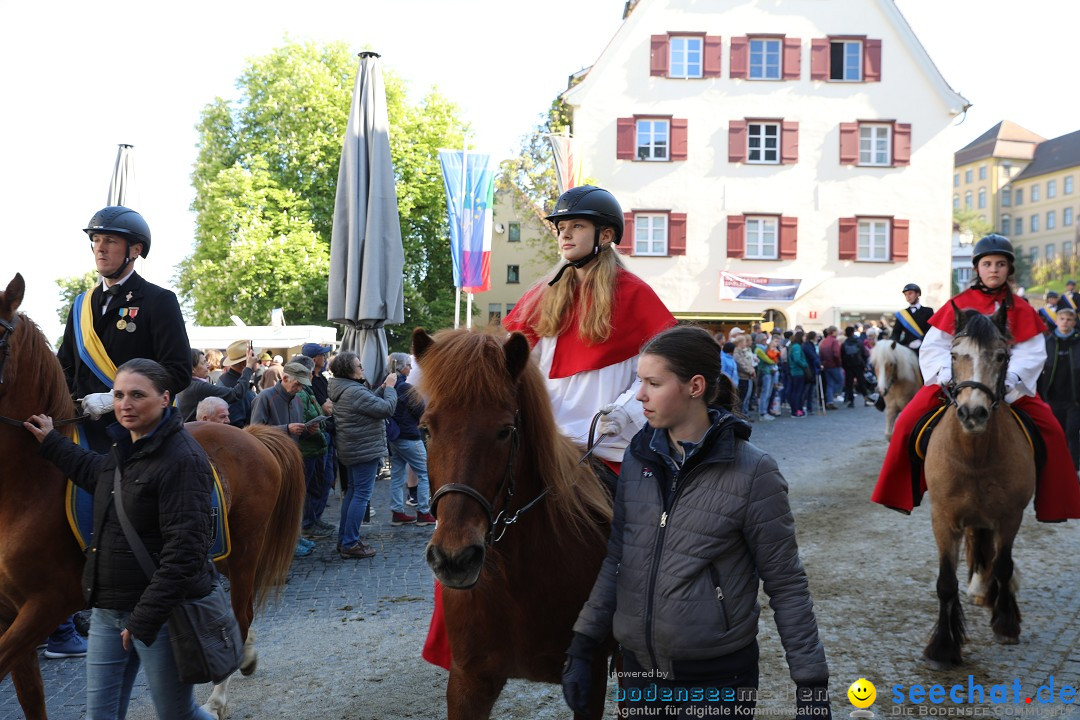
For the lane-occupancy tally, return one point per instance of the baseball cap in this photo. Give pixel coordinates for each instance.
(313, 349)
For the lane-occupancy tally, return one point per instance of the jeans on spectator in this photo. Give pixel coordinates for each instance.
(768, 379)
(406, 453)
(361, 479)
(317, 489)
(111, 670)
(796, 391)
(746, 390)
(834, 383)
(329, 467)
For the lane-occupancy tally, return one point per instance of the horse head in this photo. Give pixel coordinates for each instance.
(10, 300)
(980, 361)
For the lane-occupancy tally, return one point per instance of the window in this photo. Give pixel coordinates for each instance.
(1051, 219)
(1067, 248)
(1068, 185)
(650, 234)
(1035, 193)
(1034, 223)
(982, 198)
(513, 274)
(874, 144)
(1006, 224)
(967, 200)
(982, 172)
(1066, 217)
(955, 202)
(763, 143)
(652, 139)
(967, 176)
(1033, 256)
(1018, 196)
(1051, 189)
(845, 60)
(956, 180)
(761, 238)
(765, 58)
(685, 57)
(873, 241)
(1018, 226)
(514, 233)
(1049, 253)
(963, 275)
(1006, 197)
(494, 313)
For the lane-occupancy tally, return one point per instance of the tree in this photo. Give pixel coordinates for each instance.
(70, 287)
(970, 222)
(265, 182)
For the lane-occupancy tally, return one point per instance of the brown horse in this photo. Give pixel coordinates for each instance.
(898, 378)
(980, 474)
(40, 560)
(522, 523)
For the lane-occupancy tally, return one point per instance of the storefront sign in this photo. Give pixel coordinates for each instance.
(757, 287)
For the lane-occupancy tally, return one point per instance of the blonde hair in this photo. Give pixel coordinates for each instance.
(549, 310)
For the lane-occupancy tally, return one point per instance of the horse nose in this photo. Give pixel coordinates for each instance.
(973, 417)
(456, 568)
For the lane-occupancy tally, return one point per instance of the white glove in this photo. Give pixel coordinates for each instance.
(914, 344)
(612, 420)
(97, 404)
(1013, 388)
(944, 375)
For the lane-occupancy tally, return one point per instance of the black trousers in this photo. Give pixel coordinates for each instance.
(1068, 415)
(854, 381)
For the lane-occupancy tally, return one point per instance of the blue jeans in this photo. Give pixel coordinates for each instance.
(746, 391)
(361, 478)
(834, 383)
(405, 453)
(111, 671)
(767, 381)
(318, 492)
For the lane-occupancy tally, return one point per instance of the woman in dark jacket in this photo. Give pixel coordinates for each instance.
(360, 418)
(166, 482)
(407, 450)
(680, 595)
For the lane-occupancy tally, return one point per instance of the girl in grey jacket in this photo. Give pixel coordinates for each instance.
(701, 517)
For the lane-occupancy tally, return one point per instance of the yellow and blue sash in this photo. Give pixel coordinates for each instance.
(1068, 299)
(904, 318)
(91, 349)
(1050, 316)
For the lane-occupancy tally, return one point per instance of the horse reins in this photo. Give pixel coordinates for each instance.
(5, 353)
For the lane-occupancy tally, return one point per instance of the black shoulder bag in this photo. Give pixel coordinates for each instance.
(204, 633)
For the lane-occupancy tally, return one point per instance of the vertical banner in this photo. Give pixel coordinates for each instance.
(469, 179)
(567, 169)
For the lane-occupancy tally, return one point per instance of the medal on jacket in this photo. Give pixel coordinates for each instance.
(121, 324)
(124, 323)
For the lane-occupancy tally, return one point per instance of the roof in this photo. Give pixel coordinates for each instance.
(1004, 140)
(1054, 155)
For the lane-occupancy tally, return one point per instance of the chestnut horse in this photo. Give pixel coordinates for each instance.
(898, 378)
(40, 560)
(522, 525)
(980, 474)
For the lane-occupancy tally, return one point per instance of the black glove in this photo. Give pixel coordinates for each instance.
(812, 702)
(577, 673)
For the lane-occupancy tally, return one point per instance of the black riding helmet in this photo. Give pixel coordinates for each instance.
(592, 203)
(122, 221)
(912, 286)
(994, 244)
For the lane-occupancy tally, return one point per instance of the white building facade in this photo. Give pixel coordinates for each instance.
(790, 161)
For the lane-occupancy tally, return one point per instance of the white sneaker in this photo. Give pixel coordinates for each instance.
(767, 417)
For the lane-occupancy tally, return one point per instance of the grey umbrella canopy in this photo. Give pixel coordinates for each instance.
(366, 257)
(123, 177)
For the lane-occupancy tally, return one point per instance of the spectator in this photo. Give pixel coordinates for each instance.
(799, 370)
(213, 359)
(1059, 383)
(201, 388)
(235, 356)
(829, 352)
(271, 375)
(744, 359)
(853, 357)
(313, 450)
(814, 361)
(407, 450)
(212, 409)
(1070, 298)
(319, 355)
(767, 372)
(727, 363)
(1048, 312)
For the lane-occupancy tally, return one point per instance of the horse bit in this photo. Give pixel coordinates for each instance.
(5, 353)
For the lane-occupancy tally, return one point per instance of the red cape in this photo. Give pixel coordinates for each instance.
(1024, 320)
(637, 314)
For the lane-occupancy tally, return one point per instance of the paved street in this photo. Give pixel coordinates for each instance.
(344, 639)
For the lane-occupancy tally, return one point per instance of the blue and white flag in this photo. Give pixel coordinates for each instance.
(469, 203)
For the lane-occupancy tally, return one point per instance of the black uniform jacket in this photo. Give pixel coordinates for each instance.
(922, 319)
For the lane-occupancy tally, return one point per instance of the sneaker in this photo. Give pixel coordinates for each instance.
(423, 519)
(401, 519)
(325, 526)
(767, 417)
(867, 401)
(74, 646)
(303, 550)
(411, 501)
(798, 414)
(830, 406)
(315, 530)
(412, 496)
(359, 551)
(305, 542)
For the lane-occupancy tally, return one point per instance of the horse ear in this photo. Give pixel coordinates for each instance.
(958, 315)
(1001, 318)
(421, 342)
(13, 295)
(517, 354)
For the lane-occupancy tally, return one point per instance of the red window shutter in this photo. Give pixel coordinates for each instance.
(658, 56)
(900, 239)
(792, 58)
(676, 234)
(737, 141)
(849, 238)
(736, 236)
(789, 143)
(849, 143)
(740, 57)
(789, 237)
(872, 60)
(713, 56)
(626, 246)
(678, 138)
(819, 59)
(901, 153)
(625, 135)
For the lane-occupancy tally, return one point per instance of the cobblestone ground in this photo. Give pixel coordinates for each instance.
(344, 639)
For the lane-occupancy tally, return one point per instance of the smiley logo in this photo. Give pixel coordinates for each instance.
(862, 693)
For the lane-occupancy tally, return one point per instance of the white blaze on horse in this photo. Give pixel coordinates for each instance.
(898, 378)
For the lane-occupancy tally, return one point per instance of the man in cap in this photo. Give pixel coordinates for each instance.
(912, 322)
(212, 409)
(320, 387)
(1048, 312)
(236, 356)
(122, 318)
(1069, 298)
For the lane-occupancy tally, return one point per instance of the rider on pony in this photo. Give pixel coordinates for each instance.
(1057, 495)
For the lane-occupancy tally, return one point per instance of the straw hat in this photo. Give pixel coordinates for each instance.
(235, 353)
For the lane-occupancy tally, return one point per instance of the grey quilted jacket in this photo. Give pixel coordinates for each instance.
(680, 580)
(360, 419)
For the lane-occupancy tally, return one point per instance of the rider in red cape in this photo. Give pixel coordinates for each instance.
(1057, 494)
(586, 330)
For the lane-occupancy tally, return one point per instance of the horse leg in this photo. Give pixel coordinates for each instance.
(18, 655)
(943, 651)
(980, 557)
(26, 677)
(218, 702)
(471, 697)
(1005, 616)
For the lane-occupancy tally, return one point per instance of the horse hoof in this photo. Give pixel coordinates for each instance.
(1006, 639)
(215, 709)
(248, 666)
(939, 665)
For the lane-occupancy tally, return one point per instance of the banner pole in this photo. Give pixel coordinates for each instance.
(457, 308)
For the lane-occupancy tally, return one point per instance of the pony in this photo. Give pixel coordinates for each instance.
(898, 378)
(980, 474)
(522, 522)
(40, 560)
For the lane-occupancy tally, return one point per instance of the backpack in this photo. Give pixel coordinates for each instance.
(851, 349)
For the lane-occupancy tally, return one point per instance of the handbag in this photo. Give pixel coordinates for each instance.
(203, 632)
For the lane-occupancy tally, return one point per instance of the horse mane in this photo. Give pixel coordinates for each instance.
(982, 329)
(33, 364)
(463, 368)
(905, 359)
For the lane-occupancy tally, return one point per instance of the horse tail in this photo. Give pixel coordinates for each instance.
(283, 527)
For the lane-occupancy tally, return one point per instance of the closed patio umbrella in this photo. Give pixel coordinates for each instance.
(366, 257)
(123, 177)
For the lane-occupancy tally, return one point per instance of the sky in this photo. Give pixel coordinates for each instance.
(78, 78)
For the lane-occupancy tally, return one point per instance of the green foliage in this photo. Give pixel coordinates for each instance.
(969, 222)
(70, 287)
(266, 180)
(1052, 275)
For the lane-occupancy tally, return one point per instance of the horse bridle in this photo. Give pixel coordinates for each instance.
(5, 353)
(996, 396)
